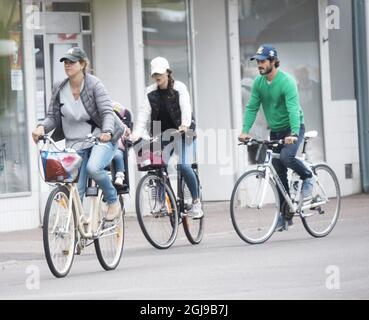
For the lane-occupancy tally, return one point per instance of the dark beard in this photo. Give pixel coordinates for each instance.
(264, 73)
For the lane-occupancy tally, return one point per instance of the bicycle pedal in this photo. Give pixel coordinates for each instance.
(78, 249)
(92, 192)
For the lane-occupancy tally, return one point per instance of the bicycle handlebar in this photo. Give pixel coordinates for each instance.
(130, 143)
(89, 138)
(253, 141)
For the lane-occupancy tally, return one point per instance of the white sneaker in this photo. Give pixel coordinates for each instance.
(114, 211)
(196, 212)
(119, 179)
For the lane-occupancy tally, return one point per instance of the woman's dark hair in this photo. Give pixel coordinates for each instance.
(170, 81)
(277, 61)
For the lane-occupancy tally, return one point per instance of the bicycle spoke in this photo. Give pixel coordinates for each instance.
(254, 207)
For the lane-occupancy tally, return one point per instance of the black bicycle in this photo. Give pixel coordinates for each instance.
(160, 211)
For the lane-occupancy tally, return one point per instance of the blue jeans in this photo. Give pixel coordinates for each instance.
(288, 159)
(119, 160)
(95, 160)
(186, 151)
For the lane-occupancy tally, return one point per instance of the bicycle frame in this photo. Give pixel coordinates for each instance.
(163, 174)
(93, 230)
(269, 172)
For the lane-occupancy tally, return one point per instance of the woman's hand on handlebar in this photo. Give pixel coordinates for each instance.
(182, 129)
(37, 133)
(105, 137)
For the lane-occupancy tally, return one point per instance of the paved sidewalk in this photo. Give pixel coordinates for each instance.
(27, 245)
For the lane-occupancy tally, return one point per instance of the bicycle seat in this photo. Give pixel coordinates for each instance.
(311, 134)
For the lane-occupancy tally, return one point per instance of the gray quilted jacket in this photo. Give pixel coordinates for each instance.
(97, 104)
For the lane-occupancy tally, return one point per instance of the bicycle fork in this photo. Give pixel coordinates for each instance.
(259, 197)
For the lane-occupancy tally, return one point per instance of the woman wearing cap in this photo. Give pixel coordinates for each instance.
(80, 106)
(167, 102)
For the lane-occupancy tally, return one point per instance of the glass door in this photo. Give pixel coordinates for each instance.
(57, 46)
(272, 21)
(165, 27)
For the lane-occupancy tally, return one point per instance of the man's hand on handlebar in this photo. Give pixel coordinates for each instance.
(290, 140)
(244, 137)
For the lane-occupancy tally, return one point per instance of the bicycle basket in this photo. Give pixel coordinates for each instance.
(257, 153)
(60, 166)
(148, 160)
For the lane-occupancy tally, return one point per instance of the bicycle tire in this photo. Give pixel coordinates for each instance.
(144, 217)
(99, 243)
(236, 217)
(307, 221)
(45, 232)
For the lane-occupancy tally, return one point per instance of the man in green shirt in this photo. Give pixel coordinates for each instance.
(277, 92)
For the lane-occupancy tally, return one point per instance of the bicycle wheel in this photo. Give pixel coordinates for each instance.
(157, 212)
(193, 228)
(320, 220)
(59, 232)
(110, 241)
(254, 207)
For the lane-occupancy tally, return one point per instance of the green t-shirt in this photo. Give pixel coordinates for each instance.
(280, 101)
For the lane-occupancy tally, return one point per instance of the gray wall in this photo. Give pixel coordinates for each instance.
(213, 93)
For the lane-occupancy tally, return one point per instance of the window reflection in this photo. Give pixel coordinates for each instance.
(13, 147)
(165, 34)
(292, 27)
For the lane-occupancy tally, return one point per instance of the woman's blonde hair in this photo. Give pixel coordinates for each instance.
(86, 67)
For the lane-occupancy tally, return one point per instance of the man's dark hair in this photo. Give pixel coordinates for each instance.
(277, 61)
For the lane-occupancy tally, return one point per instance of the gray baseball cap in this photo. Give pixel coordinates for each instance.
(74, 54)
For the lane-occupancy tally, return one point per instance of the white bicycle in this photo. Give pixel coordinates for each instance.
(255, 202)
(67, 228)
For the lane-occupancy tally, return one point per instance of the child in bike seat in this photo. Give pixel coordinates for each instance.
(125, 116)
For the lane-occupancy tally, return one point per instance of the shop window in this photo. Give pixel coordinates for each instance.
(341, 58)
(292, 27)
(14, 170)
(165, 33)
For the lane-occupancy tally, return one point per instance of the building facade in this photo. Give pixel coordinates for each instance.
(208, 43)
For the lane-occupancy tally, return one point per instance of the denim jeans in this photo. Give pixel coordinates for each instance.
(95, 160)
(119, 160)
(288, 159)
(186, 151)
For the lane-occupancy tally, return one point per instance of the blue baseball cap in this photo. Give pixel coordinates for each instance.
(264, 52)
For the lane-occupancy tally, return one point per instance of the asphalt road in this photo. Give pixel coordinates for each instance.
(291, 265)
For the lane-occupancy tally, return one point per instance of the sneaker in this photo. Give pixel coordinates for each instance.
(281, 224)
(307, 189)
(114, 211)
(119, 179)
(196, 212)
